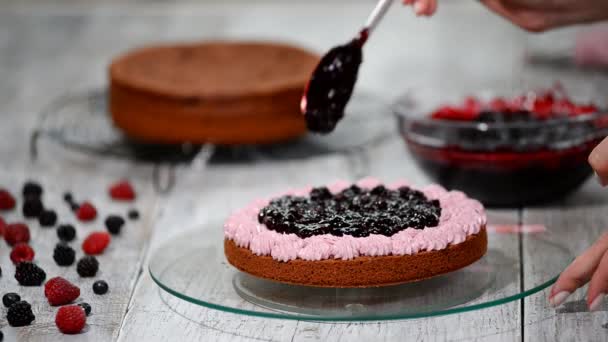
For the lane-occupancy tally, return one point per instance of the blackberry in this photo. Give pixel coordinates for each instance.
(87, 266)
(32, 207)
(74, 206)
(66, 232)
(29, 274)
(63, 254)
(100, 287)
(114, 224)
(353, 211)
(68, 197)
(47, 218)
(86, 307)
(133, 214)
(1, 336)
(20, 314)
(10, 298)
(32, 190)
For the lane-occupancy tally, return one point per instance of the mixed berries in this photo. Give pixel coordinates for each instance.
(530, 107)
(353, 211)
(58, 291)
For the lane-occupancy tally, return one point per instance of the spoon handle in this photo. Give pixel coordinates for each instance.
(377, 14)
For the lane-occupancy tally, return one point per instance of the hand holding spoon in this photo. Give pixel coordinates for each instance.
(331, 84)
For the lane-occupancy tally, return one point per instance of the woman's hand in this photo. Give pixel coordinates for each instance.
(599, 161)
(592, 267)
(534, 15)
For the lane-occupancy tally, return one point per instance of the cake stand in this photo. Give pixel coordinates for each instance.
(193, 268)
(80, 121)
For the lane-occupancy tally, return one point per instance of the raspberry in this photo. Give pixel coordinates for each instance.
(122, 191)
(86, 307)
(28, 274)
(15, 233)
(63, 254)
(70, 319)
(87, 266)
(10, 299)
(86, 212)
(22, 252)
(20, 314)
(114, 223)
(100, 287)
(59, 291)
(66, 232)
(7, 201)
(47, 218)
(32, 190)
(96, 243)
(32, 207)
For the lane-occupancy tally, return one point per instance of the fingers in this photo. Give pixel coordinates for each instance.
(422, 7)
(598, 287)
(599, 161)
(578, 272)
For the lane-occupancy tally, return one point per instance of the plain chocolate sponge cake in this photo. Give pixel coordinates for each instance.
(212, 92)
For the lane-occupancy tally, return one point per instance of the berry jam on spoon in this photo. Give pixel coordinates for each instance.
(333, 80)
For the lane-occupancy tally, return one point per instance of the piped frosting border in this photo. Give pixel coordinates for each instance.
(461, 216)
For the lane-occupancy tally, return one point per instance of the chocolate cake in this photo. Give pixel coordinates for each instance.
(213, 92)
(356, 235)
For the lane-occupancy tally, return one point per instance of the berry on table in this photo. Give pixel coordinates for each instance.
(70, 319)
(29, 274)
(68, 197)
(114, 224)
(16, 232)
(10, 298)
(66, 232)
(20, 314)
(32, 207)
(86, 212)
(2, 226)
(59, 291)
(122, 191)
(47, 218)
(22, 252)
(7, 201)
(1, 336)
(63, 254)
(96, 243)
(133, 214)
(100, 287)
(86, 307)
(32, 189)
(87, 266)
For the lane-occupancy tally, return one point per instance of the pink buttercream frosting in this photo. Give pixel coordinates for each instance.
(460, 217)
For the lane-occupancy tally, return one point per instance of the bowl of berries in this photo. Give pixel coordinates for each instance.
(505, 150)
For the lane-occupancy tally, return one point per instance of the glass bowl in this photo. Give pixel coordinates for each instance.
(502, 164)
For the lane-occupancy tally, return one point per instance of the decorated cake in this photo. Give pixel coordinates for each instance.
(213, 92)
(356, 235)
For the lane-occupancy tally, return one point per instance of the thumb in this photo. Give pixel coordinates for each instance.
(599, 161)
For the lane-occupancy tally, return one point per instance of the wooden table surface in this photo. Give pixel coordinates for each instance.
(47, 50)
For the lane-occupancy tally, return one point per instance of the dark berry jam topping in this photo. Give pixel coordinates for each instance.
(331, 86)
(353, 211)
